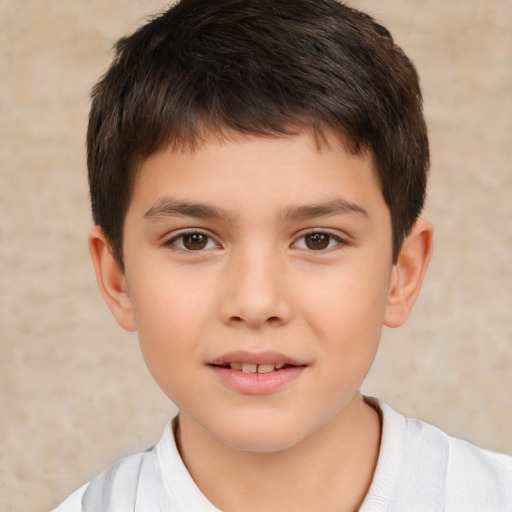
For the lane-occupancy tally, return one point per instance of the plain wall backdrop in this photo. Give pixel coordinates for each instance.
(74, 392)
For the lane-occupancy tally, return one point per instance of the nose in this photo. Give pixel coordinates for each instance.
(255, 291)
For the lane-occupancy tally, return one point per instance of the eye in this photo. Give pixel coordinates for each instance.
(317, 241)
(193, 241)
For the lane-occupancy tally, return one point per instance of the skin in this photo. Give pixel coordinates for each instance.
(257, 279)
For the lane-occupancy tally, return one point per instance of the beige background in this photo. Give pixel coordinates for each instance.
(74, 393)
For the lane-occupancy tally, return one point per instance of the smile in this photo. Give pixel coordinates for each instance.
(256, 374)
(254, 368)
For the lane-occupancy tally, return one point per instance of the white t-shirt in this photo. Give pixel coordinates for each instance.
(420, 469)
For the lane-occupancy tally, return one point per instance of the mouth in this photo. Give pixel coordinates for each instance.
(256, 374)
(254, 368)
(249, 362)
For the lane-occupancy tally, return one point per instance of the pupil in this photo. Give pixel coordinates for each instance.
(317, 241)
(195, 241)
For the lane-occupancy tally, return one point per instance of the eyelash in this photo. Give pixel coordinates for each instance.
(330, 238)
(209, 239)
(181, 236)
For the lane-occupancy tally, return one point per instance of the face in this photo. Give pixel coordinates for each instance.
(258, 272)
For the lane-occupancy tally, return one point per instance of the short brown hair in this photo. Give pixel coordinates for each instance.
(260, 67)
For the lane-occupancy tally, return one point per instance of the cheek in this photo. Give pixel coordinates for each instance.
(346, 302)
(168, 342)
(172, 312)
(169, 298)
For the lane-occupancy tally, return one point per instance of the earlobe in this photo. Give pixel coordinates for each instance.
(111, 279)
(408, 273)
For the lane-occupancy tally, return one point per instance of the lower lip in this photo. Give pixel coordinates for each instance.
(257, 383)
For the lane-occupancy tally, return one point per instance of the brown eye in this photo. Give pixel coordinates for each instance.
(317, 241)
(195, 241)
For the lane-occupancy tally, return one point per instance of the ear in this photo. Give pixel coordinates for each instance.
(408, 273)
(111, 280)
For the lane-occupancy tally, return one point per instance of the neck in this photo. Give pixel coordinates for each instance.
(330, 470)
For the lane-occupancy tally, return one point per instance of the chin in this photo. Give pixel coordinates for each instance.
(260, 442)
(260, 435)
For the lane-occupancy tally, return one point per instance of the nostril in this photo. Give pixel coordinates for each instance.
(270, 320)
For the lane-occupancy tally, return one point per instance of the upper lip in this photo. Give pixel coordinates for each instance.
(267, 357)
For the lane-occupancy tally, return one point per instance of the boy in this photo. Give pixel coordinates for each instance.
(257, 172)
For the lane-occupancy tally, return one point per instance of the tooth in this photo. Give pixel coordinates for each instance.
(265, 368)
(249, 368)
(235, 366)
(279, 366)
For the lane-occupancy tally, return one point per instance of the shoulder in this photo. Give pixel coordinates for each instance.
(154, 480)
(114, 488)
(467, 468)
(422, 466)
(73, 503)
(477, 479)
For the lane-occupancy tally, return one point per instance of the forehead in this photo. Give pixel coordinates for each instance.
(244, 172)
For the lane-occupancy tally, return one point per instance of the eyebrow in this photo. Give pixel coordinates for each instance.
(174, 208)
(329, 209)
